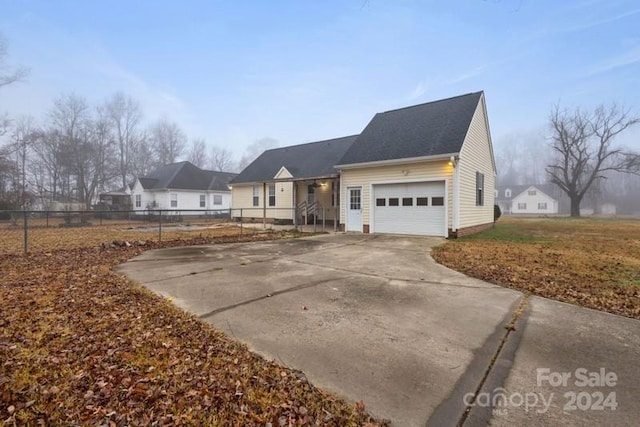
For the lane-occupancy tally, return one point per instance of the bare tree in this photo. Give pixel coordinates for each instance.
(143, 158)
(256, 148)
(24, 136)
(124, 114)
(167, 141)
(87, 147)
(221, 159)
(584, 151)
(8, 75)
(198, 152)
(49, 164)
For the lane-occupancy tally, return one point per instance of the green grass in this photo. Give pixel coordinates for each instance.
(501, 232)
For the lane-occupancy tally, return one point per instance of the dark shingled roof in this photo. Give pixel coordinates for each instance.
(312, 160)
(430, 129)
(186, 176)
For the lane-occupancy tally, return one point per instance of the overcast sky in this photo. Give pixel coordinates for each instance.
(233, 72)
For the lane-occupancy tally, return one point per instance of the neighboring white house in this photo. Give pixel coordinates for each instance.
(527, 200)
(182, 186)
(427, 169)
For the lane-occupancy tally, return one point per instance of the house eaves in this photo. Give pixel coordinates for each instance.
(398, 161)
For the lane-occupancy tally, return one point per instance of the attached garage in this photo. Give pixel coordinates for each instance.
(410, 208)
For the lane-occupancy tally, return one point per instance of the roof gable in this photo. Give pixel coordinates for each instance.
(311, 160)
(431, 129)
(283, 173)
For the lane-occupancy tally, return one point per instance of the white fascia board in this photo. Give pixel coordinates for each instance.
(398, 161)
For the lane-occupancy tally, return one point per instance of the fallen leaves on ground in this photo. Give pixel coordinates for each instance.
(594, 263)
(49, 236)
(82, 345)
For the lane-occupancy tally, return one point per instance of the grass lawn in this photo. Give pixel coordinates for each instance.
(594, 263)
(82, 345)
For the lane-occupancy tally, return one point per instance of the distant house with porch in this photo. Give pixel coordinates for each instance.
(181, 187)
(119, 200)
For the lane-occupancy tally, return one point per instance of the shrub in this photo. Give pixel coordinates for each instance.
(497, 213)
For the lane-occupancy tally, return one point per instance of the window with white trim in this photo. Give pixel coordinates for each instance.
(138, 200)
(256, 195)
(542, 206)
(507, 193)
(522, 206)
(203, 200)
(532, 192)
(217, 199)
(174, 200)
(272, 194)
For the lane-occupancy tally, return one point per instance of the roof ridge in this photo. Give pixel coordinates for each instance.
(312, 142)
(431, 102)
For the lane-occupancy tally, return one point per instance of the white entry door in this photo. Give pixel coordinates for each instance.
(354, 209)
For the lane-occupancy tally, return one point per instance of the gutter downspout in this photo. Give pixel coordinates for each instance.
(456, 195)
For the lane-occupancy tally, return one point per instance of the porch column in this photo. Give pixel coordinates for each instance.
(264, 205)
(295, 204)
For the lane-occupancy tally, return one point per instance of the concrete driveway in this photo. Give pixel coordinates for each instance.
(374, 318)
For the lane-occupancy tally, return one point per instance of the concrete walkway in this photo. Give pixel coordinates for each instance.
(374, 318)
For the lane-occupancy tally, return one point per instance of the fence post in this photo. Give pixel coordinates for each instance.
(26, 233)
(240, 220)
(160, 226)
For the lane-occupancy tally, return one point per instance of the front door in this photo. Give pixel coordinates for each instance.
(354, 209)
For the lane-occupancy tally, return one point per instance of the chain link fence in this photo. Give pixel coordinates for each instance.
(35, 231)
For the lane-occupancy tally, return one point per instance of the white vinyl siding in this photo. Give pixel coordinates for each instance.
(243, 198)
(533, 201)
(476, 156)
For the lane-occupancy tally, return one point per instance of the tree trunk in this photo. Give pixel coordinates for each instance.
(575, 206)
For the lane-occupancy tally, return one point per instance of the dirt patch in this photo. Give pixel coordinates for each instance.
(589, 262)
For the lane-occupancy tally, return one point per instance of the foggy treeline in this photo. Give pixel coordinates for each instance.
(78, 150)
(522, 159)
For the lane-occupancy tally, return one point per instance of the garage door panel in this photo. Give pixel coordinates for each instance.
(413, 219)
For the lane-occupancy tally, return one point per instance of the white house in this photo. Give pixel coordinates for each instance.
(182, 186)
(427, 169)
(527, 200)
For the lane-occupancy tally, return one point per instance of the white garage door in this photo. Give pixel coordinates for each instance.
(412, 208)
